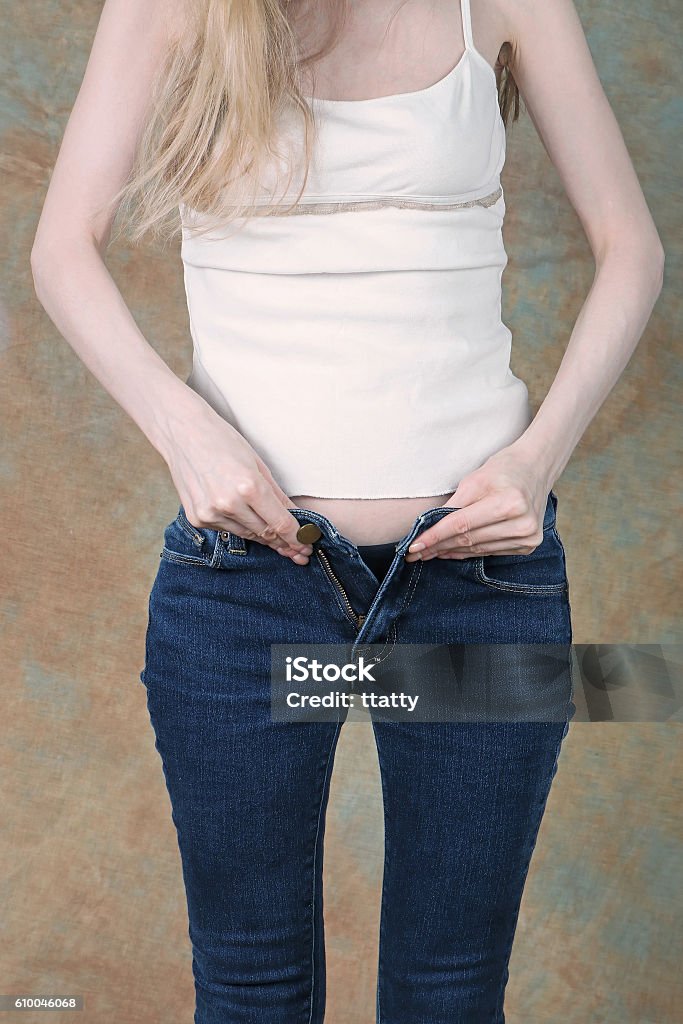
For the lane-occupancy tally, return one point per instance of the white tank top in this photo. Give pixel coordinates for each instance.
(357, 342)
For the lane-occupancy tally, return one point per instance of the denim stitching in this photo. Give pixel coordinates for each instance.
(233, 543)
(192, 532)
(542, 803)
(236, 545)
(217, 553)
(391, 635)
(412, 586)
(210, 559)
(524, 588)
(410, 592)
(408, 596)
(516, 588)
(174, 556)
(236, 551)
(567, 598)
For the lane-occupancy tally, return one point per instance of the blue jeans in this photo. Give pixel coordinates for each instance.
(463, 801)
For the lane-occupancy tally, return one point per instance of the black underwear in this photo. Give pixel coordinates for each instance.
(378, 557)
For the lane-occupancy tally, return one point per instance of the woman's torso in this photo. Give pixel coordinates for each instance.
(379, 88)
(351, 72)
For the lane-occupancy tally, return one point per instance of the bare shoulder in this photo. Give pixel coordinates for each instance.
(130, 48)
(158, 24)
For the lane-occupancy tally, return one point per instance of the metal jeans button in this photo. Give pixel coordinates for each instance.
(308, 533)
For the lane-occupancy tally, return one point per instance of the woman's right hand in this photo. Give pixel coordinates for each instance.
(224, 485)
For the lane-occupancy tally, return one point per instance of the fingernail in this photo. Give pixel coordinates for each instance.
(417, 546)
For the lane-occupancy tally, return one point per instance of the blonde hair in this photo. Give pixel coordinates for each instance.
(216, 102)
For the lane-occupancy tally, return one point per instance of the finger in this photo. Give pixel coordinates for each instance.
(246, 523)
(299, 554)
(250, 526)
(279, 493)
(515, 533)
(279, 522)
(501, 548)
(296, 556)
(242, 524)
(483, 512)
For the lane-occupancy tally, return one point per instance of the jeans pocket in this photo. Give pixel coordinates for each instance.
(185, 543)
(542, 571)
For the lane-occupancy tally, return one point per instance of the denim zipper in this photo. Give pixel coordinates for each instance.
(357, 619)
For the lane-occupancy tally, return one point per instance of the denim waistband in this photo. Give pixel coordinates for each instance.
(234, 543)
(424, 519)
(333, 536)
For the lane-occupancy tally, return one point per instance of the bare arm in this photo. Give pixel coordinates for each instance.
(80, 296)
(577, 126)
(503, 501)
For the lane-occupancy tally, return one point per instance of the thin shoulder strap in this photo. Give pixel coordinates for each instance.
(466, 24)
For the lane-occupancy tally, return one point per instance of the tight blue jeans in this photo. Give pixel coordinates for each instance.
(463, 801)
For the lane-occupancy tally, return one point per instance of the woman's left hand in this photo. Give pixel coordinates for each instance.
(500, 512)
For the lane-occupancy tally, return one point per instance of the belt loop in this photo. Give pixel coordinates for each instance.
(232, 543)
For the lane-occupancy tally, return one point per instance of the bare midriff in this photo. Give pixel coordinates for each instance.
(371, 520)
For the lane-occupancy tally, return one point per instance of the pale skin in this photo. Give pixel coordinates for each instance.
(220, 479)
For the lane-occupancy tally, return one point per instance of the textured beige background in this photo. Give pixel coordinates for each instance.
(91, 887)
